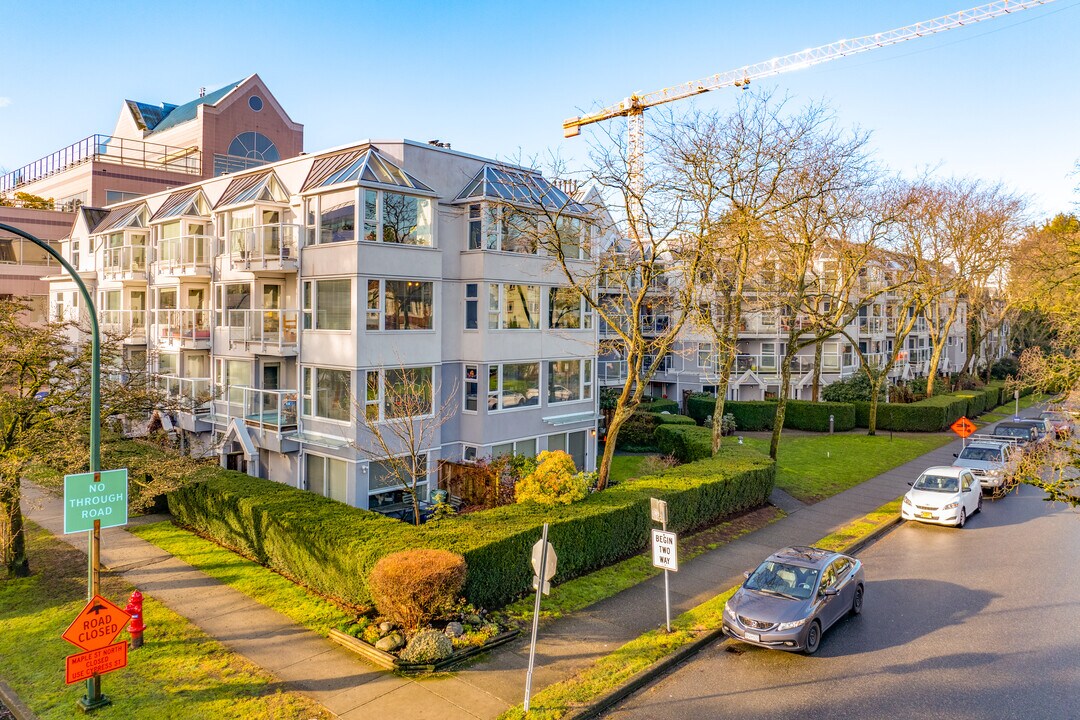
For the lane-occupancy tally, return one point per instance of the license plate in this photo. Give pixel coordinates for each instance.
(753, 637)
(926, 515)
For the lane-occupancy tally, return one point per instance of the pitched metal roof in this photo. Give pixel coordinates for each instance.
(520, 188)
(179, 203)
(358, 166)
(120, 217)
(257, 186)
(148, 116)
(93, 216)
(188, 111)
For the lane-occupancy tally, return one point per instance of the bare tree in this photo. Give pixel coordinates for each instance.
(403, 419)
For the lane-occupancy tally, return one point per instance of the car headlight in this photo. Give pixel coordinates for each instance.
(728, 612)
(792, 625)
(951, 506)
(907, 501)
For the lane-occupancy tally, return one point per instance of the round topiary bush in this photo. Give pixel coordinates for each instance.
(555, 481)
(413, 586)
(428, 646)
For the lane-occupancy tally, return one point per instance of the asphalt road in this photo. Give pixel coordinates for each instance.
(982, 622)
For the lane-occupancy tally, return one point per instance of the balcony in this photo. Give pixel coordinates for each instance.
(124, 262)
(266, 332)
(611, 371)
(872, 325)
(655, 325)
(876, 360)
(191, 395)
(184, 329)
(130, 325)
(265, 248)
(274, 410)
(187, 255)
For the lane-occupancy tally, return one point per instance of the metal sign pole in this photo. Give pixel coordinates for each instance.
(536, 614)
(667, 592)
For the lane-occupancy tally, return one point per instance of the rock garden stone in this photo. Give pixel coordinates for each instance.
(428, 646)
(386, 628)
(454, 630)
(391, 642)
(474, 620)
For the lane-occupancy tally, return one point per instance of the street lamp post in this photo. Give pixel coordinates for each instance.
(93, 699)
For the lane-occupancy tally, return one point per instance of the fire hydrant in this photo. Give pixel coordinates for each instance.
(134, 609)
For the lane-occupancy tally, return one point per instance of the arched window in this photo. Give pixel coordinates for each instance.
(255, 146)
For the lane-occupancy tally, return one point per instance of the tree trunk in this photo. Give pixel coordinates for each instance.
(620, 416)
(935, 358)
(875, 391)
(723, 382)
(781, 404)
(12, 530)
(816, 392)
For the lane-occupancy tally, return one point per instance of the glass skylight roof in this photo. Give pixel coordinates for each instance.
(186, 202)
(518, 187)
(358, 166)
(250, 188)
(122, 217)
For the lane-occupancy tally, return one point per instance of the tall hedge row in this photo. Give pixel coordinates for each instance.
(638, 433)
(753, 415)
(933, 414)
(687, 443)
(332, 547)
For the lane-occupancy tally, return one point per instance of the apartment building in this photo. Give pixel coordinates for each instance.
(279, 305)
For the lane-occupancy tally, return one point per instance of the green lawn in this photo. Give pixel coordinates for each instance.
(814, 467)
(243, 575)
(624, 467)
(180, 672)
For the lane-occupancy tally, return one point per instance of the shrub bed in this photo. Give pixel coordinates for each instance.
(751, 415)
(687, 443)
(653, 404)
(933, 414)
(638, 433)
(332, 547)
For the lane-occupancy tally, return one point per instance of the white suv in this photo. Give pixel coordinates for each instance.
(988, 461)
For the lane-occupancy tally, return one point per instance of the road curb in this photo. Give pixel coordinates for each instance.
(14, 704)
(662, 667)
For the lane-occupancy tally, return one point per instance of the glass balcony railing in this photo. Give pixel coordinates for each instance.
(264, 245)
(270, 329)
(124, 259)
(188, 326)
(269, 409)
(611, 370)
(872, 325)
(129, 324)
(186, 254)
(192, 395)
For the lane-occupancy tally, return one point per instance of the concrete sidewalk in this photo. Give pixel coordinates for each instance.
(348, 687)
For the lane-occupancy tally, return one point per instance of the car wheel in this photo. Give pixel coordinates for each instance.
(856, 603)
(813, 638)
(978, 508)
(962, 519)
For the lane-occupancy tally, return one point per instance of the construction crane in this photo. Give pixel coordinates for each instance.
(633, 107)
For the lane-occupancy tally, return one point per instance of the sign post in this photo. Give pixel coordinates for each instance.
(963, 427)
(665, 547)
(543, 562)
(1016, 398)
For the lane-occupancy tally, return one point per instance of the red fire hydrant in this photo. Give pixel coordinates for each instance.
(134, 609)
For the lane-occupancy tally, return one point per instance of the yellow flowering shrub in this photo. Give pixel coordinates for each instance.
(555, 481)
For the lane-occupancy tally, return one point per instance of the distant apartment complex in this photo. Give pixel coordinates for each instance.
(153, 147)
(278, 305)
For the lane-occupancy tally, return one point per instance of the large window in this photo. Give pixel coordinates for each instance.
(232, 299)
(513, 385)
(327, 394)
(391, 217)
(572, 237)
(254, 146)
(337, 217)
(573, 443)
(525, 447)
(569, 380)
(398, 393)
(513, 307)
(328, 305)
(502, 228)
(567, 310)
(400, 305)
(472, 383)
(383, 475)
(326, 476)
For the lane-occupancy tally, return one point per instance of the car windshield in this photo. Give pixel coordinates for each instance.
(1040, 429)
(937, 483)
(792, 581)
(1013, 431)
(981, 454)
(1053, 416)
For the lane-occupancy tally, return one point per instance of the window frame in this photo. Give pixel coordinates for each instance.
(498, 394)
(326, 485)
(497, 304)
(379, 309)
(310, 304)
(378, 401)
(586, 381)
(309, 405)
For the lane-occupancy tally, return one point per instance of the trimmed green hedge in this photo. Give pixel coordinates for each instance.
(653, 404)
(638, 433)
(686, 442)
(933, 414)
(753, 415)
(331, 547)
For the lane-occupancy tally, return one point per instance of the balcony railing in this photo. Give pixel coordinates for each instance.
(111, 149)
(656, 325)
(269, 409)
(192, 395)
(264, 245)
(268, 329)
(183, 255)
(129, 324)
(872, 325)
(187, 327)
(124, 260)
(611, 370)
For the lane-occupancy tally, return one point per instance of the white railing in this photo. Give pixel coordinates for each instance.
(264, 244)
(124, 259)
(871, 325)
(268, 328)
(191, 394)
(611, 370)
(182, 326)
(270, 409)
(183, 254)
(130, 324)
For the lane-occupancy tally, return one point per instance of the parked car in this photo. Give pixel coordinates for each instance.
(1023, 435)
(1043, 428)
(1061, 421)
(988, 461)
(943, 496)
(793, 597)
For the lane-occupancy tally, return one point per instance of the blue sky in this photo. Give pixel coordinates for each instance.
(996, 100)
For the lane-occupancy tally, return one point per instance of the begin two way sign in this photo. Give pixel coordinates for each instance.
(95, 496)
(665, 550)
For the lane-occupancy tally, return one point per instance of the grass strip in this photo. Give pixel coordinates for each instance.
(180, 672)
(611, 671)
(246, 576)
(814, 467)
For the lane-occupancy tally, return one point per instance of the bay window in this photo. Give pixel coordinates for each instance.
(513, 385)
(400, 305)
(567, 310)
(327, 304)
(396, 393)
(569, 380)
(337, 216)
(327, 393)
(513, 307)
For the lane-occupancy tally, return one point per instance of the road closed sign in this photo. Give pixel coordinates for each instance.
(95, 496)
(665, 550)
(97, 625)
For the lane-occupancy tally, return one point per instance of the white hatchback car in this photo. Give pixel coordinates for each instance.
(944, 496)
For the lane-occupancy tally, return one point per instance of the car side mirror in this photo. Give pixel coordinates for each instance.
(746, 574)
(829, 592)
(911, 484)
(956, 455)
